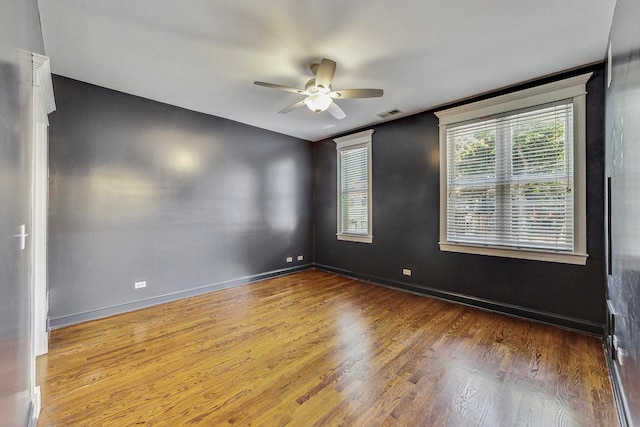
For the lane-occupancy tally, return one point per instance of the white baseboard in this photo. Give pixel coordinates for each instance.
(42, 344)
(37, 402)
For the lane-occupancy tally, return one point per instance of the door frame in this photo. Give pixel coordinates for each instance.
(43, 104)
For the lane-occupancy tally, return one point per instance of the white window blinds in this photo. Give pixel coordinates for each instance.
(354, 190)
(354, 187)
(510, 179)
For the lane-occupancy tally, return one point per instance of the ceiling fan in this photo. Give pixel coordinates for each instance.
(319, 93)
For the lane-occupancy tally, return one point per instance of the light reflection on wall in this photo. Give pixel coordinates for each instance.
(433, 158)
(182, 153)
(109, 187)
(281, 214)
(628, 172)
(183, 161)
(239, 190)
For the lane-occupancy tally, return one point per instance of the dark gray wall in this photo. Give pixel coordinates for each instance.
(185, 201)
(19, 34)
(406, 223)
(623, 166)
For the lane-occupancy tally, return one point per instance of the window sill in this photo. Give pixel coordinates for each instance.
(355, 238)
(560, 257)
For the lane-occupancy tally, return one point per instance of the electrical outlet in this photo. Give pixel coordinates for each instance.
(139, 285)
(406, 272)
(300, 257)
(289, 259)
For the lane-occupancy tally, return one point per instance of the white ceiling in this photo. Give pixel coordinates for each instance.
(204, 55)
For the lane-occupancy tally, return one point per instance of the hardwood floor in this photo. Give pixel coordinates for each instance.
(313, 348)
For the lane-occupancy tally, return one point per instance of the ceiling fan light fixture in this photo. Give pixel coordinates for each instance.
(318, 102)
(319, 92)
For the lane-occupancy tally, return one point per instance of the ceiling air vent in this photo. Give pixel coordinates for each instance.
(389, 113)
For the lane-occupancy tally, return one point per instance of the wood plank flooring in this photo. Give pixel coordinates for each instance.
(314, 348)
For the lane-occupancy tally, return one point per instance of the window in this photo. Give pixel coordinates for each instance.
(354, 187)
(512, 176)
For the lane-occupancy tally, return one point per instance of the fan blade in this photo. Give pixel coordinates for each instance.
(356, 93)
(275, 86)
(336, 111)
(325, 73)
(292, 107)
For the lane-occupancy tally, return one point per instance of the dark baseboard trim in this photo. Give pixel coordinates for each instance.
(618, 394)
(564, 322)
(481, 303)
(99, 313)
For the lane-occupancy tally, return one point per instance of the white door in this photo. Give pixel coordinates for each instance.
(16, 129)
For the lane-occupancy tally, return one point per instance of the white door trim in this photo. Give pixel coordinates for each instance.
(43, 104)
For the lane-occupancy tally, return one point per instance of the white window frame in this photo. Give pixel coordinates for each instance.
(360, 139)
(573, 88)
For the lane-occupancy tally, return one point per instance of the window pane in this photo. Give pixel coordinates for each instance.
(541, 215)
(539, 144)
(475, 154)
(471, 214)
(354, 187)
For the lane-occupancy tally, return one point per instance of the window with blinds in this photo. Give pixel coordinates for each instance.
(510, 179)
(513, 174)
(354, 187)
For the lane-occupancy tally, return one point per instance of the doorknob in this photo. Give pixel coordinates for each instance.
(22, 234)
